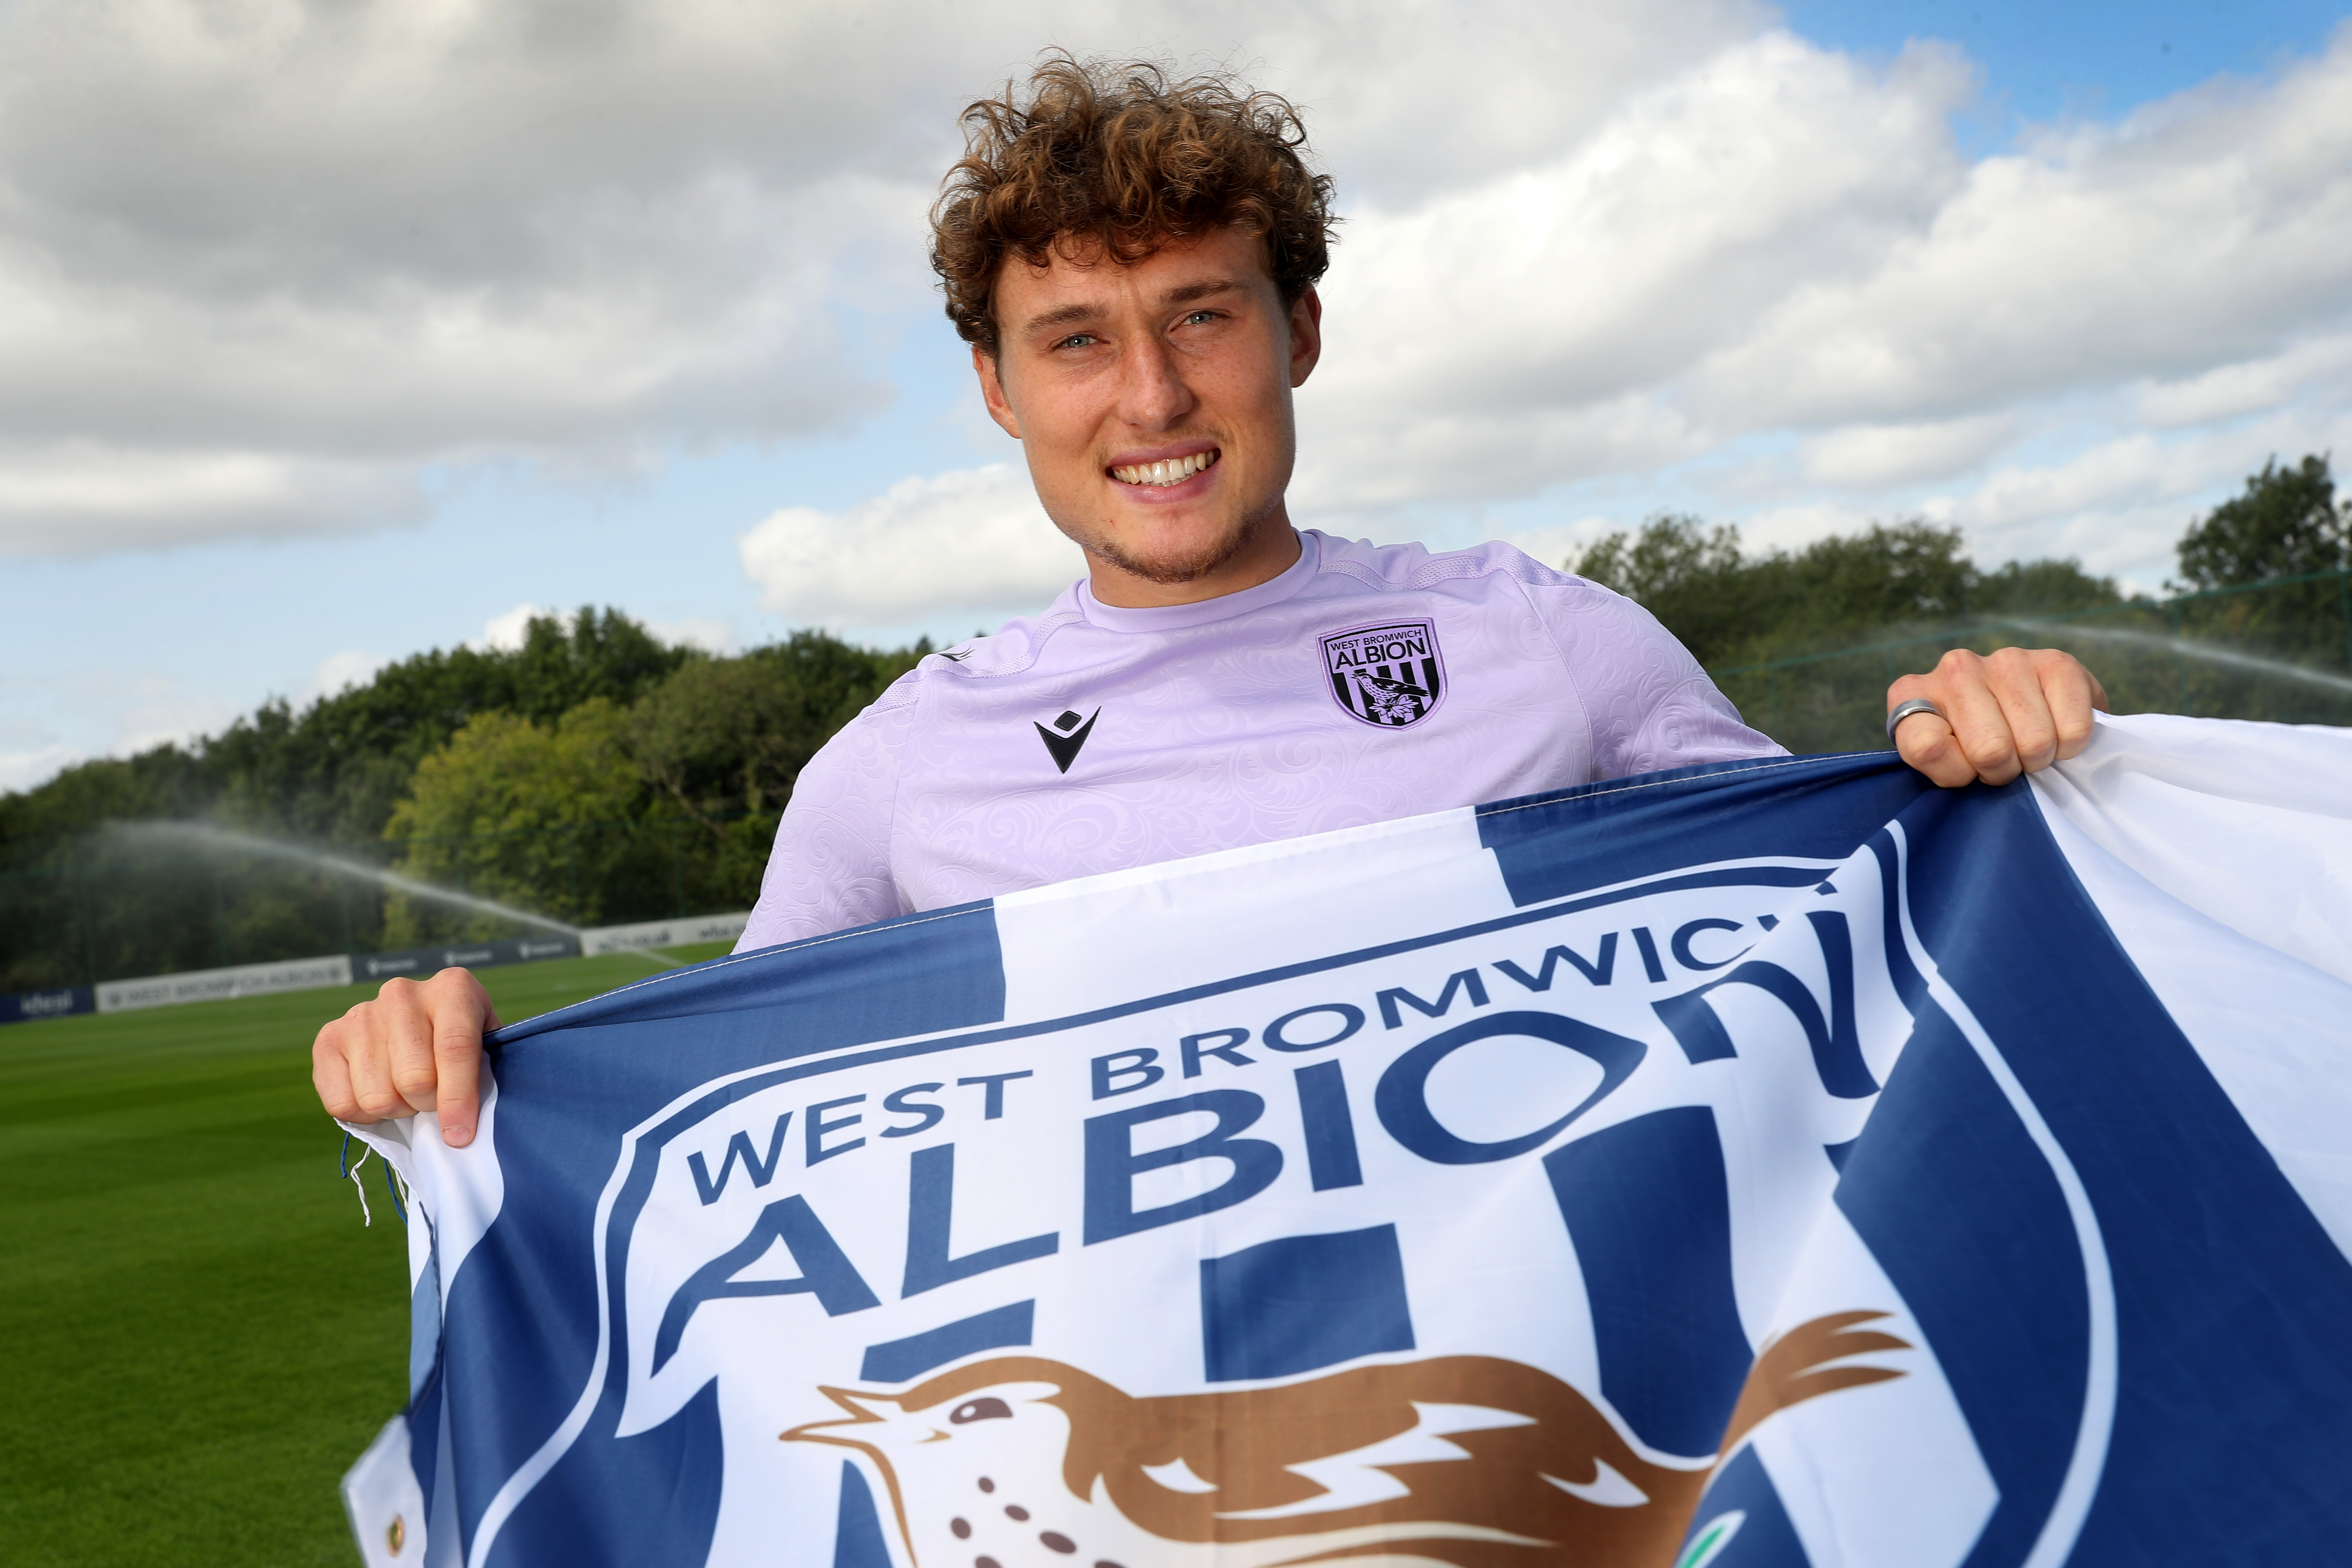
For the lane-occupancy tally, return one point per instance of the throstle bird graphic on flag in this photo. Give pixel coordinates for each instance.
(1472, 1461)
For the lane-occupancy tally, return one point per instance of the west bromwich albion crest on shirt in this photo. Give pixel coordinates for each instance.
(1390, 675)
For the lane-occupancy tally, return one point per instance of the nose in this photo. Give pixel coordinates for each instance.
(1152, 392)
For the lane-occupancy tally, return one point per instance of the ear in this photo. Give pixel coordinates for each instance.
(1306, 334)
(991, 392)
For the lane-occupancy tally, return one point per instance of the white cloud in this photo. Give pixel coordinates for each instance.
(267, 267)
(51, 718)
(156, 709)
(2203, 230)
(504, 631)
(1771, 277)
(1557, 544)
(338, 672)
(973, 541)
(1875, 457)
(707, 633)
(1764, 268)
(2318, 367)
(1535, 323)
(22, 769)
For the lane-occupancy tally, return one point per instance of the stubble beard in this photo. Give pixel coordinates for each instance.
(1175, 570)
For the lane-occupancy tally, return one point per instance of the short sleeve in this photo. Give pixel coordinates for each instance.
(830, 868)
(1650, 704)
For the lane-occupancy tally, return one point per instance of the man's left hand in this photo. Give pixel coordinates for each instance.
(2017, 710)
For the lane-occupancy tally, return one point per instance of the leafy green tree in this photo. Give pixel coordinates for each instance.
(519, 812)
(2286, 523)
(722, 741)
(725, 736)
(2040, 588)
(1732, 608)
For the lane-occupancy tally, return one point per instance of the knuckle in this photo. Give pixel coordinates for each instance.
(379, 1103)
(1988, 756)
(412, 1080)
(1929, 745)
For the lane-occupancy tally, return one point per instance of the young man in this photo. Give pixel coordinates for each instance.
(1134, 265)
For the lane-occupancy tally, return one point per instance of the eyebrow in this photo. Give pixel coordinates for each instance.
(1201, 290)
(1068, 316)
(1078, 314)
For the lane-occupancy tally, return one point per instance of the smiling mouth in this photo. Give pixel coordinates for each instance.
(1169, 472)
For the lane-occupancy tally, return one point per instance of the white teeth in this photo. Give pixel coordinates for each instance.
(1165, 472)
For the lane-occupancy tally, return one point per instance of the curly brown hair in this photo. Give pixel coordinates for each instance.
(1097, 159)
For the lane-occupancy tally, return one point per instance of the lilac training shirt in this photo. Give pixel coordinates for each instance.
(1362, 685)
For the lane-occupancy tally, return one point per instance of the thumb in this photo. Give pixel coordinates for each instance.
(458, 1058)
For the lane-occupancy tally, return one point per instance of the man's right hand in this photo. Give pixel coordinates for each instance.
(414, 1047)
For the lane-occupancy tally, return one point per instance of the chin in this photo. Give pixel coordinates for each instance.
(1170, 553)
(1170, 561)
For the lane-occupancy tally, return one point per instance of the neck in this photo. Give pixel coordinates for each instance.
(1272, 549)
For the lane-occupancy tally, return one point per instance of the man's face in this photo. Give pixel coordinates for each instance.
(1153, 404)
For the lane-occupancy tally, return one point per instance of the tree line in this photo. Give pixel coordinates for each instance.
(595, 773)
(1731, 607)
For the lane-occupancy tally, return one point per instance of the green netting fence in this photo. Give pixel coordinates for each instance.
(2278, 650)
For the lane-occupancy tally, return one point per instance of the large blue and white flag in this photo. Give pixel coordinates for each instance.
(1771, 1164)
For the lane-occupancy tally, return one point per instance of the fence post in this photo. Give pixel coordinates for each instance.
(2180, 662)
(88, 927)
(343, 898)
(571, 856)
(2343, 609)
(220, 914)
(676, 871)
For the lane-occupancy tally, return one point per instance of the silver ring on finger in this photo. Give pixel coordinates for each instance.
(1905, 709)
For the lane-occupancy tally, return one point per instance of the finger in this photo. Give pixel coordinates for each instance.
(333, 1077)
(1926, 742)
(1951, 750)
(1959, 687)
(367, 1033)
(462, 1011)
(2015, 677)
(2073, 694)
(405, 1018)
(1981, 728)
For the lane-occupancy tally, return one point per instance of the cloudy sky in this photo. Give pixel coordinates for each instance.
(333, 332)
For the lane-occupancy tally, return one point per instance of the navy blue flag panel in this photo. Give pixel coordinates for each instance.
(1772, 1164)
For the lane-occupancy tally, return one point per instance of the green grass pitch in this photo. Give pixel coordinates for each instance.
(200, 1334)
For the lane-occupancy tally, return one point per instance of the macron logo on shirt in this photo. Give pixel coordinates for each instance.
(1063, 743)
